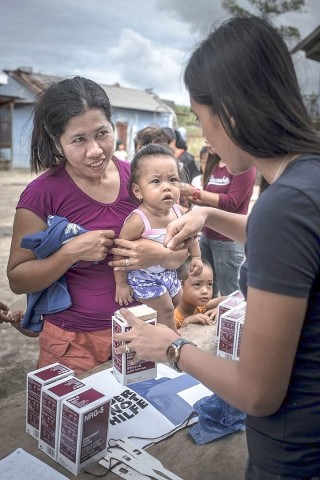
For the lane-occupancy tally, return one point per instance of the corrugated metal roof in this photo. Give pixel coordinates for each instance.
(311, 45)
(120, 97)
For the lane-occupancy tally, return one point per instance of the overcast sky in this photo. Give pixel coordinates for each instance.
(137, 43)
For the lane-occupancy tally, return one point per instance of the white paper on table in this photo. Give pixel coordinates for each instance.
(138, 419)
(193, 394)
(20, 465)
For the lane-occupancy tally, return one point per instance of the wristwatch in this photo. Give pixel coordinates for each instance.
(173, 352)
(196, 194)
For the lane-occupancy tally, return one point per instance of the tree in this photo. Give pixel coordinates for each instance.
(268, 9)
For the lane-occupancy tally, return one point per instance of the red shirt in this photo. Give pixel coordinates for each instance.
(234, 191)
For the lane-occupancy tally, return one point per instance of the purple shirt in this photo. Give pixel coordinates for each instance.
(234, 193)
(91, 286)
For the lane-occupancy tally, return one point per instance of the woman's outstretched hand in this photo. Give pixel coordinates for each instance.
(182, 232)
(147, 342)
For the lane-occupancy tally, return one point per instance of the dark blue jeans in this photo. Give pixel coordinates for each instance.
(254, 473)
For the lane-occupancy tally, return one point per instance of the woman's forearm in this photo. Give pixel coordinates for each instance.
(231, 225)
(37, 274)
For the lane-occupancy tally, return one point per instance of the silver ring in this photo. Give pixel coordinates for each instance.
(128, 262)
(128, 349)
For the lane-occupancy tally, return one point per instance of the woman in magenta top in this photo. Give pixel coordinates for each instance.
(231, 193)
(73, 143)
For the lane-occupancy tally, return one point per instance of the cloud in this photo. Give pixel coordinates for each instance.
(138, 44)
(139, 61)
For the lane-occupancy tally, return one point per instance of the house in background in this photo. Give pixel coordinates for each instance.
(131, 110)
(311, 46)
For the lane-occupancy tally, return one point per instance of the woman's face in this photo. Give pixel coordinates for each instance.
(235, 159)
(88, 143)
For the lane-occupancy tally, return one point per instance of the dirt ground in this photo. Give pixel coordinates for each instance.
(18, 354)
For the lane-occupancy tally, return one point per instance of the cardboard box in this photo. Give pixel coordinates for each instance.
(228, 335)
(123, 370)
(50, 412)
(83, 430)
(35, 381)
(233, 300)
(238, 341)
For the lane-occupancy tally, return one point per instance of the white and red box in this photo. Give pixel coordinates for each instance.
(52, 396)
(232, 301)
(123, 370)
(238, 341)
(229, 328)
(36, 380)
(83, 430)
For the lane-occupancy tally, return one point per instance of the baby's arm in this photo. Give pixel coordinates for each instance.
(196, 265)
(131, 230)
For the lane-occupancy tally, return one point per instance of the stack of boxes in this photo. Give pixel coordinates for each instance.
(36, 380)
(230, 321)
(69, 419)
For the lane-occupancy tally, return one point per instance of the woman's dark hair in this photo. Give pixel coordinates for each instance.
(244, 72)
(180, 143)
(55, 106)
(212, 162)
(150, 150)
(203, 150)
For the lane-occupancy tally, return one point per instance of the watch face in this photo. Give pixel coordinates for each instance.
(172, 353)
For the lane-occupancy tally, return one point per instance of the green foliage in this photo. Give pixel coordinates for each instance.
(268, 9)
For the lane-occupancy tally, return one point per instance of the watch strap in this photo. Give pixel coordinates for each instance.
(176, 348)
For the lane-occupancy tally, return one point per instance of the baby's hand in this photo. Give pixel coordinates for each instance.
(15, 317)
(124, 294)
(196, 266)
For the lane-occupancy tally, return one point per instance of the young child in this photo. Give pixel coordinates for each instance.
(196, 305)
(120, 151)
(156, 185)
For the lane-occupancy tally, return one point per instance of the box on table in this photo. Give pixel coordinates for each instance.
(35, 381)
(50, 412)
(232, 300)
(83, 430)
(229, 327)
(238, 341)
(123, 370)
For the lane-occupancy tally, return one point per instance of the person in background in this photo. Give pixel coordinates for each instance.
(189, 168)
(197, 181)
(196, 304)
(85, 185)
(120, 152)
(231, 193)
(151, 134)
(155, 184)
(14, 317)
(244, 91)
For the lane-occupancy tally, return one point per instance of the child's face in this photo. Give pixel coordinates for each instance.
(159, 184)
(198, 290)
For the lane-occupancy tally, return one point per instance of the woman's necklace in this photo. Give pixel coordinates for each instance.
(280, 170)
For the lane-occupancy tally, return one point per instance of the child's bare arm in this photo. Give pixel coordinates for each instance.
(131, 230)
(214, 302)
